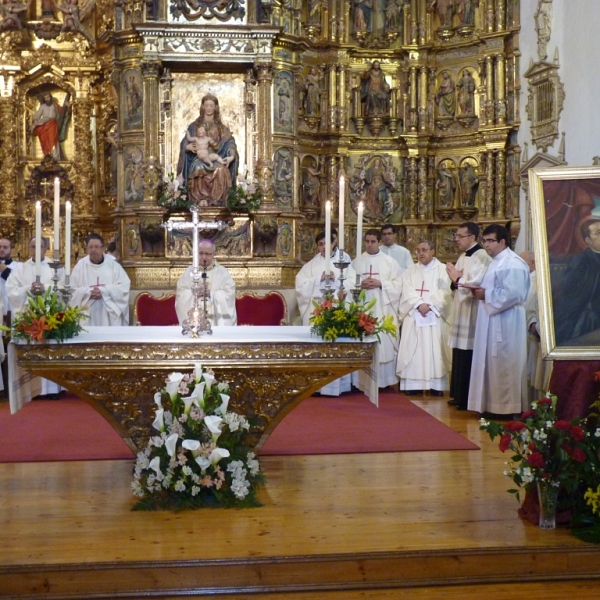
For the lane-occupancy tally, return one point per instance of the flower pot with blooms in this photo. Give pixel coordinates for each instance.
(199, 457)
(548, 451)
(243, 200)
(334, 318)
(174, 195)
(47, 317)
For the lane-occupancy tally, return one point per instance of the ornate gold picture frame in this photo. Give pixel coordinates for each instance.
(565, 206)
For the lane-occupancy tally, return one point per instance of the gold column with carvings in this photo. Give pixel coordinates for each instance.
(264, 77)
(84, 156)
(8, 174)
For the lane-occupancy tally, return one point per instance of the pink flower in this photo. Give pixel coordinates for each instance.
(579, 455)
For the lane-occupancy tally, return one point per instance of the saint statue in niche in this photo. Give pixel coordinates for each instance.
(208, 181)
(445, 97)
(466, 94)
(375, 91)
(445, 186)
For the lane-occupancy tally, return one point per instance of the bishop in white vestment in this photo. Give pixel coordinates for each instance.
(17, 286)
(498, 373)
(309, 282)
(423, 356)
(220, 299)
(100, 286)
(381, 280)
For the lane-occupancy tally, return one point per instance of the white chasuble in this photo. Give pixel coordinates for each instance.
(17, 286)
(498, 374)
(113, 283)
(423, 355)
(220, 303)
(309, 283)
(380, 266)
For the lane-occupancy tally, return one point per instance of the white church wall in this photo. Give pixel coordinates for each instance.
(575, 35)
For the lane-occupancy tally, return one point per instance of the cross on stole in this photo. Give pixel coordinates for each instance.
(97, 284)
(370, 273)
(422, 289)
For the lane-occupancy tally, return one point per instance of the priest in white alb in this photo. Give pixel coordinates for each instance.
(310, 280)
(220, 289)
(17, 287)
(424, 360)
(100, 286)
(380, 277)
(498, 374)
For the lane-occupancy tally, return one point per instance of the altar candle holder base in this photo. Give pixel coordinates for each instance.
(356, 290)
(67, 291)
(55, 265)
(342, 265)
(197, 321)
(37, 287)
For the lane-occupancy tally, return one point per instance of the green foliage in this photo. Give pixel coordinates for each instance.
(332, 319)
(47, 317)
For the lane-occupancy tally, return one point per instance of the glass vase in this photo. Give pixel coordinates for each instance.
(548, 495)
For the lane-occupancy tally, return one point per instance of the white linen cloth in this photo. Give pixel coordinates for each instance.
(19, 392)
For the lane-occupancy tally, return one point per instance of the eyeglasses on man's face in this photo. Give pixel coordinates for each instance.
(459, 236)
(489, 240)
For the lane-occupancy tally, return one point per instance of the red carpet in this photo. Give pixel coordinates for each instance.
(58, 430)
(69, 429)
(351, 424)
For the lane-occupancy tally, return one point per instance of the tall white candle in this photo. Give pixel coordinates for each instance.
(56, 214)
(195, 239)
(38, 238)
(67, 238)
(359, 228)
(342, 209)
(327, 237)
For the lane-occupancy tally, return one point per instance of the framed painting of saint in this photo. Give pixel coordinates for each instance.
(565, 206)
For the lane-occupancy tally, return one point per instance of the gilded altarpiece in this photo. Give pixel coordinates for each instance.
(415, 101)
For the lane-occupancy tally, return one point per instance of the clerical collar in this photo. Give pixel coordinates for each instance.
(473, 249)
(376, 253)
(6, 261)
(210, 267)
(98, 263)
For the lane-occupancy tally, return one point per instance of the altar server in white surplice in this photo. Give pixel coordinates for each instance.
(220, 299)
(100, 286)
(498, 373)
(381, 280)
(389, 246)
(424, 359)
(311, 277)
(538, 370)
(309, 282)
(21, 282)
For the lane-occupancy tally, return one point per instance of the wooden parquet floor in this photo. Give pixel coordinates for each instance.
(340, 527)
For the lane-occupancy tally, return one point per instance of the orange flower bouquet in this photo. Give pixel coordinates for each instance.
(332, 319)
(46, 317)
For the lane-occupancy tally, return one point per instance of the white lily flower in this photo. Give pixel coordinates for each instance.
(191, 445)
(173, 384)
(203, 462)
(214, 426)
(171, 444)
(158, 399)
(155, 464)
(197, 372)
(159, 420)
(223, 408)
(198, 394)
(217, 454)
(187, 402)
(209, 379)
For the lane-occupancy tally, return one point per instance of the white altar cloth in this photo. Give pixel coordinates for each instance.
(22, 391)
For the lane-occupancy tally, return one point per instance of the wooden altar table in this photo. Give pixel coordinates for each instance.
(117, 370)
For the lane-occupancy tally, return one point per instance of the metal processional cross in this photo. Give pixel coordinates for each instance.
(197, 320)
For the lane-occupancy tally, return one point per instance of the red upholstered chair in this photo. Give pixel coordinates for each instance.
(260, 310)
(150, 310)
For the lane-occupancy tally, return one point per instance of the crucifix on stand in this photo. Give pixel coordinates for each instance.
(197, 320)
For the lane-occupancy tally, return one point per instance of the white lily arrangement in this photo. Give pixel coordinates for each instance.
(199, 457)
